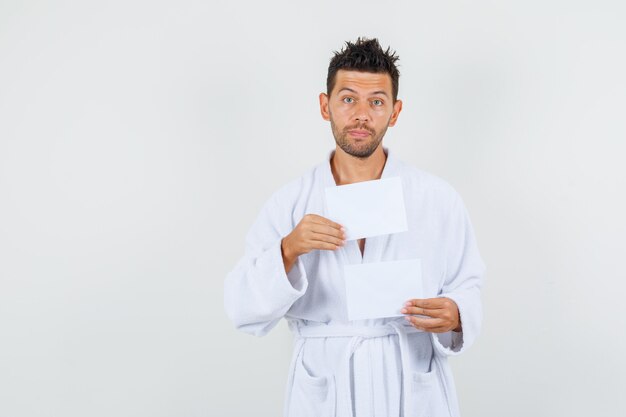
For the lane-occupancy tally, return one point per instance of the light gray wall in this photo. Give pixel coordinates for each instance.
(138, 141)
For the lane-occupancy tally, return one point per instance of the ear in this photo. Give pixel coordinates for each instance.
(397, 108)
(324, 106)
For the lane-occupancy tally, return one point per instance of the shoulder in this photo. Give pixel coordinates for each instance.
(424, 182)
(290, 192)
(433, 195)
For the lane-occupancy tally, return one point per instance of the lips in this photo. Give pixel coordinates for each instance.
(359, 133)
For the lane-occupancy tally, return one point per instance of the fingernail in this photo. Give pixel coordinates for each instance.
(408, 303)
(404, 310)
(407, 318)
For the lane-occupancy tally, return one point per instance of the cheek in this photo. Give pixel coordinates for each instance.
(340, 115)
(382, 116)
(341, 110)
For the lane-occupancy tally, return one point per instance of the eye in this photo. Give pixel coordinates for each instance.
(377, 102)
(348, 100)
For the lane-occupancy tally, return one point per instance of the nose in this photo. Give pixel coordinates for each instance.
(361, 112)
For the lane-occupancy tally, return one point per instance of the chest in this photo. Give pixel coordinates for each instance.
(423, 240)
(361, 243)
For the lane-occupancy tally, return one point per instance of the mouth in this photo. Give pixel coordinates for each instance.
(357, 133)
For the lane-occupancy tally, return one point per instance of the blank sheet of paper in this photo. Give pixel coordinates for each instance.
(368, 208)
(380, 289)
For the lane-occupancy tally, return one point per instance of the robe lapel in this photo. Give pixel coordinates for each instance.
(375, 245)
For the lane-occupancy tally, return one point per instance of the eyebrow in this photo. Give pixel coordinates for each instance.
(380, 92)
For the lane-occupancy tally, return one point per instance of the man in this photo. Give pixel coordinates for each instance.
(295, 255)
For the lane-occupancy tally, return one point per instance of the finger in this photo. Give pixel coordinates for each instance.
(443, 314)
(327, 238)
(320, 244)
(327, 230)
(426, 324)
(431, 303)
(436, 313)
(323, 220)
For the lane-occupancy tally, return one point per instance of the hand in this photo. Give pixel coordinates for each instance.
(313, 232)
(442, 314)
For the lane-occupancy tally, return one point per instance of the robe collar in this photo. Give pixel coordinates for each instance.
(374, 245)
(389, 170)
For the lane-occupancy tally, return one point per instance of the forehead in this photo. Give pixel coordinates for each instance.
(363, 82)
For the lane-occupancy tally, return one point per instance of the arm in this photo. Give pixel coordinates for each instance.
(271, 277)
(463, 281)
(454, 318)
(258, 291)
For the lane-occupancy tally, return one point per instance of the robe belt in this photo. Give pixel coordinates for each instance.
(357, 335)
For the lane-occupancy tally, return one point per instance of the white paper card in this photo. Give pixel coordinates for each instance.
(380, 289)
(368, 208)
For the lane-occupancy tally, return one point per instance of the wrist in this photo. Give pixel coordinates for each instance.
(458, 328)
(288, 255)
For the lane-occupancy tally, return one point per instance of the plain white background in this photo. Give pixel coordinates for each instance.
(138, 140)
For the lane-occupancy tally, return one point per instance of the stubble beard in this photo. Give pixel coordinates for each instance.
(361, 150)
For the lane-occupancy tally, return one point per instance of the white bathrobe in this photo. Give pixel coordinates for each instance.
(366, 368)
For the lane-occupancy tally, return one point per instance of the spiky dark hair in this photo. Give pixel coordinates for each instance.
(364, 55)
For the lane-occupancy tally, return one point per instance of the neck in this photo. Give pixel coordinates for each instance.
(348, 169)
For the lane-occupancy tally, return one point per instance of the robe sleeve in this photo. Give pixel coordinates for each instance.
(462, 283)
(258, 292)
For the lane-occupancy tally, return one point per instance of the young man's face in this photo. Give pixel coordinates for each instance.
(360, 108)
